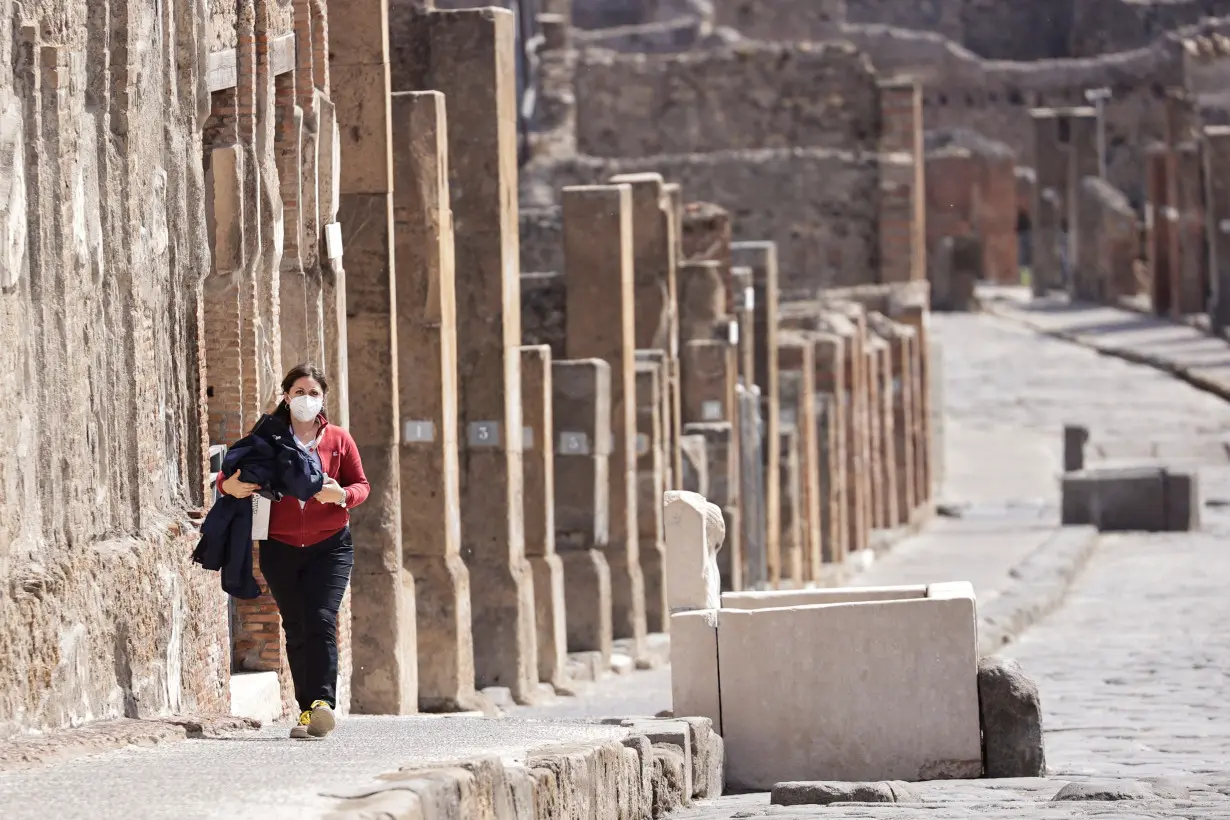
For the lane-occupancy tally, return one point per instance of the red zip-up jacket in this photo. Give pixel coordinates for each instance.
(314, 522)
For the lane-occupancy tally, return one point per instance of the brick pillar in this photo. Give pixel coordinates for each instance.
(384, 654)
(761, 258)
(601, 324)
(651, 484)
(1050, 190)
(1217, 183)
(468, 56)
(537, 396)
(831, 382)
(655, 255)
(902, 220)
(925, 449)
(796, 352)
(581, 407)
(427, 381)
(791, 479)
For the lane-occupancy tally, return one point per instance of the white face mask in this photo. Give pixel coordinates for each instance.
(306, 408)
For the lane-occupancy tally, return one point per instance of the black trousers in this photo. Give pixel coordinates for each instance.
(308, 584)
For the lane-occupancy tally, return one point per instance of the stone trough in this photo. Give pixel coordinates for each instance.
(853, 684)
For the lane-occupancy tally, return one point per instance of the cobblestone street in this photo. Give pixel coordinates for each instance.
(1134, 668)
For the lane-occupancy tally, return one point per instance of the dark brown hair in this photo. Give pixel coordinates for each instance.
(293, 375)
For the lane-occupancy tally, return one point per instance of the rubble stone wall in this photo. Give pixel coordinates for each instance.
(994, 98)
(105, 251)
(821, 207)
(749, 96)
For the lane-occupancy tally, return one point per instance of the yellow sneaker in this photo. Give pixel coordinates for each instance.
(300, 730)
(321, 720)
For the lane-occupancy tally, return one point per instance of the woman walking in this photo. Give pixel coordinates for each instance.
(308, 556)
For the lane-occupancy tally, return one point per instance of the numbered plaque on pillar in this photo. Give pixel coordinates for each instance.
(642, 444)
(483, 434)
(527, 438)
(573, 444)
(418, 432)
(788, 416)
(711, 411)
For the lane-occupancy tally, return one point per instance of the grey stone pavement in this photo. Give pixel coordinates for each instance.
(1134, 668)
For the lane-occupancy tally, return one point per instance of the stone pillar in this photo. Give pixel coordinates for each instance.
(468, 56)
(831, 382)
(791, 483)
(1161, 224)
(427, 389)
(887, 475)
(1084, 160)
(672, 202)
(384, 657)
(900, 340)
(655, 254)
(761, 257)
(601, 324)
(796, 352)
(744, 305)
(651, 484)
(1193, 275)
(538, 396)
(581, 407)
(1217, 184)
(1050, 189)
(926, 450)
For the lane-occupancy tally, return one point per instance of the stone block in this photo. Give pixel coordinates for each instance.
(694, 665)
(1116, 499)
(825, 793)
(695, 531)
(1011, 717)
(1075, 437)
(860, 691)
(1182, 501)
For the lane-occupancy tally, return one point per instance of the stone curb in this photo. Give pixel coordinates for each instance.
(660, 766)
(1181, 372)
(107, 735)
(1042, 581)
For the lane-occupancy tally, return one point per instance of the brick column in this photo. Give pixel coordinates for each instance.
(581, 408)
(537, 396)
(902, 220)
(791, 481)
(832, 383)
(384, 653)
(427, 381)
(761, 257)
(601, 324)
(796, 353)
(1193, 275)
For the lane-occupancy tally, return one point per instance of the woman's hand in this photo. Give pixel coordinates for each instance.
(331, 493)
(237, 488)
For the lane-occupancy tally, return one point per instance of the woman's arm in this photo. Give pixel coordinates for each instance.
(351, 475)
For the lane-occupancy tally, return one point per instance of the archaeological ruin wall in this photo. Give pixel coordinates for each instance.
(749, 96)
(166, 177)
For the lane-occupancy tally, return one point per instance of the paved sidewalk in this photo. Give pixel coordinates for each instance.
(1134, 668)
(1182, 350)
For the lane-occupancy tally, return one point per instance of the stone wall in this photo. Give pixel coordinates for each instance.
(782, 20)
(1042, 29)
(821, 207)
(99, 391)
(161, 209)
(994, 98)
(748, 96)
